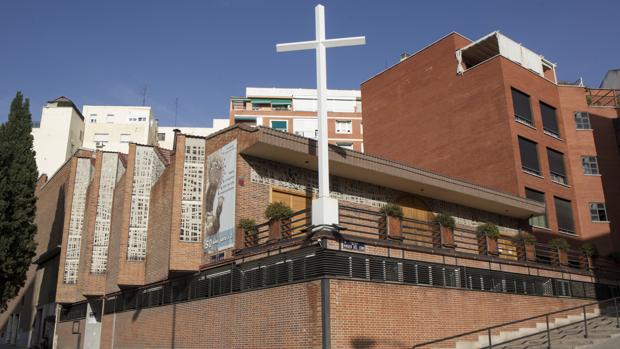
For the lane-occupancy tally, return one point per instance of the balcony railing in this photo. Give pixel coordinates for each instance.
(603, 97)
(366, 225)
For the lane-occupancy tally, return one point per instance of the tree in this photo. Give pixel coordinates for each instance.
(18, 178)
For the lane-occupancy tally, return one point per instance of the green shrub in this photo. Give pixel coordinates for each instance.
(526, 238)
(589, 249)
(247, 224)
(445, 220)
(392, 210)
(488, 229)
(278, 210)
(560, 244)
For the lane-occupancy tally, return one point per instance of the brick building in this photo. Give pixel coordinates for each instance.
(492, 112)
(146, 251)
(294, 110)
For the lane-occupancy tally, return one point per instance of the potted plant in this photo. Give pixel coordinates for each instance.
(278, 213)
(527, 242)
(488, 233)
(446, 229)
(248, 231)
(561, 246)
(589, 251)
(393, 215)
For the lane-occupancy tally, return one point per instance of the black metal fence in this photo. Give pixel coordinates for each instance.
(315, 262)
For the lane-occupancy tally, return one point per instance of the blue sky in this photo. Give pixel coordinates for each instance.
(203, 52)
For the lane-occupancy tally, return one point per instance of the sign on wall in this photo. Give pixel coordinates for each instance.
(220, 199)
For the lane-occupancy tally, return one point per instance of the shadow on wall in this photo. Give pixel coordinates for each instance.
(369, 343)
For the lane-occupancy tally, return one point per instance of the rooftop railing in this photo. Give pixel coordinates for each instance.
(599, 97)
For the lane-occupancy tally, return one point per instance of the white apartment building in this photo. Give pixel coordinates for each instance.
(59, 135)
(112, 128)
(294, 110)
(165, 134)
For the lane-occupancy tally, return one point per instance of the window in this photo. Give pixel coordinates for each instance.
(280, 125)
(582, 120)
(550, 121)
(598, 212)
(529, 156)
(93, 120)
(125, 137)
(537, 221)
(142, 119)
(521, 105)
(564, 215)
(556, 166)
(345, 145)
(101, 137)
(344, 126)
(161, 137)
(590, 165)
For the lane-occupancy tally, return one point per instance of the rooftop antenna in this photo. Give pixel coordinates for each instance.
(176, 110)
(144, 94)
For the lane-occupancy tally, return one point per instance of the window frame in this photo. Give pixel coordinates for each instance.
(600, 206)
(542, 105)
(160, 139)
(579, 121)
(544, 215)
(533, 171)
(571, 231)
(522, 118)
(555, 175)
(348, 122)
(278, 120)
(589, 165)
(342, 145)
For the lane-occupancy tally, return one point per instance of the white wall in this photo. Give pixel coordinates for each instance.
(305, 99)
(168, 131)
(121, 124)
(58, 137)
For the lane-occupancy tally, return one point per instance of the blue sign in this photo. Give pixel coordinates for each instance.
(355, 246)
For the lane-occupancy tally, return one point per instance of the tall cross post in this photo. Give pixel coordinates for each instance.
(324, 208)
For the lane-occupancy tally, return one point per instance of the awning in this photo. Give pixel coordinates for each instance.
(272, 101)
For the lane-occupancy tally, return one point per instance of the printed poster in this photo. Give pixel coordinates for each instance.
(220, 186)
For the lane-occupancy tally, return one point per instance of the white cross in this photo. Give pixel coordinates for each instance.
(324, 209)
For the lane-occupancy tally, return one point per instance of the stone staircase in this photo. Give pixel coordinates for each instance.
(565, 332)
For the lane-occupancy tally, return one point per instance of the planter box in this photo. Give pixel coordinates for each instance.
(275, 229)
(562, 257)
(530, 253)
(489, 245)
(587, 262)
(446, 237)
(394, 226)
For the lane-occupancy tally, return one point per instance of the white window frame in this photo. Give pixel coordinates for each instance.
(346, 130)
(597, 208)
(585, 172)
(342, 145)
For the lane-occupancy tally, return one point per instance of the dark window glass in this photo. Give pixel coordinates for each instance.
(529, 156)
(556, 166)
(537, 221)
(598, 212)
(564, 215)
(590, 164)
(550, 121)
(582, 120)
(279, 125)
(521, 105)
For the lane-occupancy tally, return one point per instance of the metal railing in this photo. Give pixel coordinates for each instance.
(368, 224)
(485, 336)
(603, 97)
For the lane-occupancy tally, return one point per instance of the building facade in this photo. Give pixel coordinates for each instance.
(294, 111)
(492, 112)
(151, 254)
(165, 134)
(112, 128)
(59, 135)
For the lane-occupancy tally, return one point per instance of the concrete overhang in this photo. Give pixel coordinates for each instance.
(301, 152)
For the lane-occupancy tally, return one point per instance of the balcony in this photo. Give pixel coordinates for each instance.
(601, 97)
(365, 227)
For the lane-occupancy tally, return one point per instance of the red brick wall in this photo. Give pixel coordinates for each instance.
(121, 194)
(375, 315)
(279, 317)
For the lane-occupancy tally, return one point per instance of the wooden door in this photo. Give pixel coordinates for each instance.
(297, 201)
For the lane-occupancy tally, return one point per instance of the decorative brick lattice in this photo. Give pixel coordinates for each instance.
(110, 172)
(193, 182)
(148, 167)
(78, 204)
